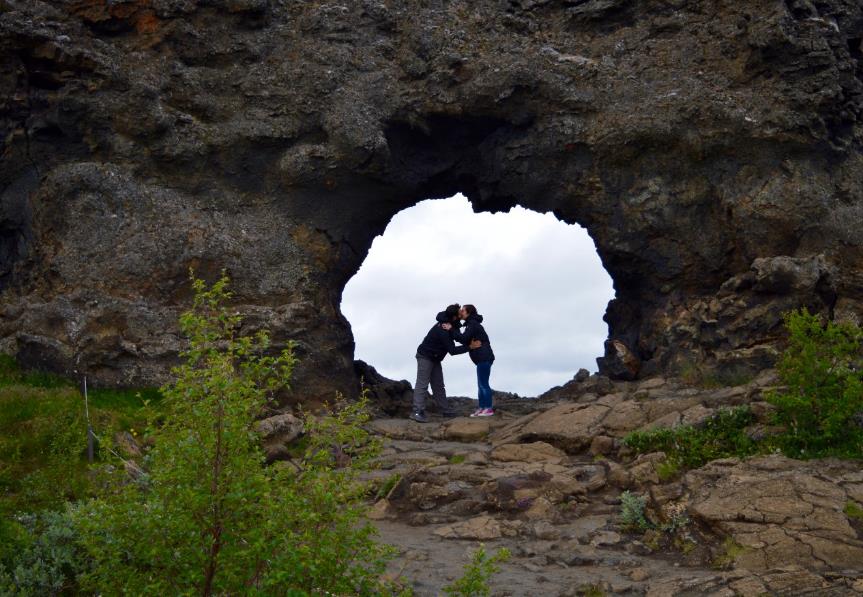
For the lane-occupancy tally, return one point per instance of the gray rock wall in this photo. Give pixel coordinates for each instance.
(711, 148)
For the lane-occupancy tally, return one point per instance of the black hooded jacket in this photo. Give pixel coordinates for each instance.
(473, 330)
(438, 342)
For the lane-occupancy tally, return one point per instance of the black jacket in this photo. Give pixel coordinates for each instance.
(438, 342)
(473, 330)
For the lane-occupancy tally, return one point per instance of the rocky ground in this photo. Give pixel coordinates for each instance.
(544, 479)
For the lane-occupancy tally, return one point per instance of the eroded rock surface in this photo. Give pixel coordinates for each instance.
(712, 150)
(782, 512)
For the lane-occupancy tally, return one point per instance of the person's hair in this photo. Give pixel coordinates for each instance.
(471, 310)
(452, 310)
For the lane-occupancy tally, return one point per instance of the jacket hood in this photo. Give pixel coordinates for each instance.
(442, 318)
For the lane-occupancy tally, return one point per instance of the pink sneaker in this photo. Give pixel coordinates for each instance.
(486, 412)
(477, 412)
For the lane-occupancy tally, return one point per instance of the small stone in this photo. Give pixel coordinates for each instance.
(601, 445)
(639, 574)
(541, 509)
(618, 476)
(643, 470)
(662, 494)
(605, 538)
(127, 445)
(638, 548)
(582, 375)
(545, 530)
(380, 511)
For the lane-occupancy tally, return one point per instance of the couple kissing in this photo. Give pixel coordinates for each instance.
(439, 342)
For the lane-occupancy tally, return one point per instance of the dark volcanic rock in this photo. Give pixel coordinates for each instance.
(711, 148)
(393, 398)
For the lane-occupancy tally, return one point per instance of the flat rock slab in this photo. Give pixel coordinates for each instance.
(482, 528)
(467, 429)
(530, 452)
(404, 429)
(781, 512)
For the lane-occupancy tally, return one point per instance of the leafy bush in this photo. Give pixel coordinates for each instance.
(47, 559)
(821, 369)
(632, 516)
(477, 574)
(211, 518)
(721, 436)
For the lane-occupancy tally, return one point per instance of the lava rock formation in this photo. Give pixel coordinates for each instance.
(712, 149)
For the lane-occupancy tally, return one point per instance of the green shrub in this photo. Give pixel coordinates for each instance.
(477, 574)
(687, 447)
(48, 558)
(211, 517)
(591, 590)
(632, 516)
(821, 369)
(667, 469)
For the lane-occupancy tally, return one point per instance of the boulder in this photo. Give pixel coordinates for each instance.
(277, 432)
(570, 427)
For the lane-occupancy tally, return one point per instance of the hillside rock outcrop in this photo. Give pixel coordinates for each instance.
(710, 148)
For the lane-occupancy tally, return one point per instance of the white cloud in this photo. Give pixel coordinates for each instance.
(537, 281)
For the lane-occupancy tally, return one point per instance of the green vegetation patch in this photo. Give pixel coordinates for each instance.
(853, 510)
(632, 512)
(687, 447)
(43, 435)
(822, 370)
(477, 574)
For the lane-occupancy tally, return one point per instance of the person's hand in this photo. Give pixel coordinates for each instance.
(446, 326)
(474, 344)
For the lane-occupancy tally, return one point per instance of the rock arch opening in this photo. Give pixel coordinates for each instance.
(718, 179)
(538, 281)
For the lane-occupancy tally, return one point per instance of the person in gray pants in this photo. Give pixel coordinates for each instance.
(430, 354)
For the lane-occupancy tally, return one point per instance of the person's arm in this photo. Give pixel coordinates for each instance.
(466, 337)
(463, 337)
(452, 348)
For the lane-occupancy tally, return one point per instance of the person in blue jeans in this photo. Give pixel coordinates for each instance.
(474, 334)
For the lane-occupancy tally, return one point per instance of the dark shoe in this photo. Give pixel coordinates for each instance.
(419, 417)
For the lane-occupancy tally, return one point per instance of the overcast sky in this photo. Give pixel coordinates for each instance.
(537, 281)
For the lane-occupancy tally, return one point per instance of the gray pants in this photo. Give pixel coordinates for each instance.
(429, 371)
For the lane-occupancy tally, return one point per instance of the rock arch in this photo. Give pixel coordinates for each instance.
(712, 150)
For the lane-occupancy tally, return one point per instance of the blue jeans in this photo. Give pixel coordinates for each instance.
(483, 371)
